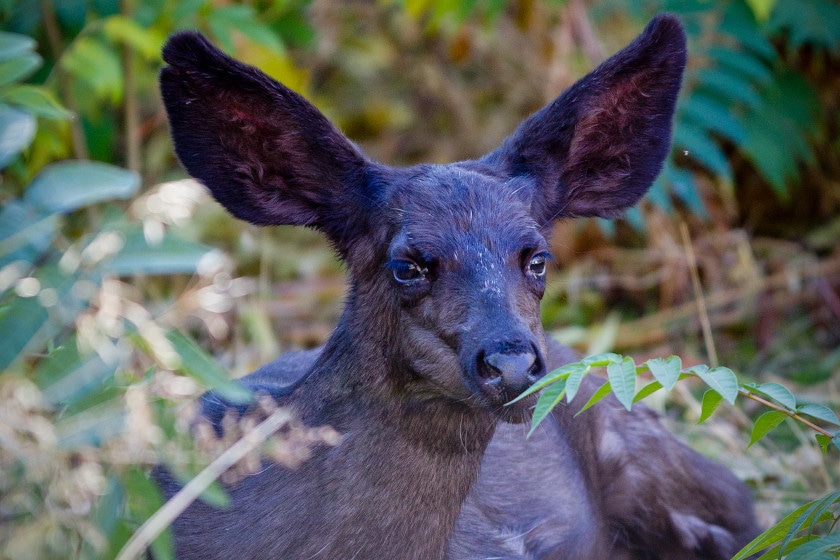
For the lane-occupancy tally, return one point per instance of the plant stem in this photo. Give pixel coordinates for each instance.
(784, 410)
(164, 517)
(698, 296)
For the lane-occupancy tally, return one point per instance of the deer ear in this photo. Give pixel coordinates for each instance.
(264, 152)
(596, 149)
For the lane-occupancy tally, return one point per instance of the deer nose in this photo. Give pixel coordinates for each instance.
(515, 371)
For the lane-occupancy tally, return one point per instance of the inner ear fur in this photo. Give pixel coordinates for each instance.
(265, 153)
(596, 149)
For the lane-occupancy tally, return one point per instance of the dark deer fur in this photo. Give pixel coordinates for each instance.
(446, 267)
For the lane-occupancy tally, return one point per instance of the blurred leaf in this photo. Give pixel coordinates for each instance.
(19, 68)
(17, 129)
(705, 111)
(36, 100)
(666, 371)
(603, 359)
(196, 363)
(721, 379)
(92, 426)
(69, 185)
(144, 499)
(171, 256)
(819, 412)
(64, 376)
(742, 63)
(13, 45)
(97, 68)
(739, 23)
(711, 402)
(761, 8)
(764, 424)
(814, 22)
(23, 319)
(25, 232)
(730, 86)
(146, 41)
(622, 377)
(243, 19)
(775, 391)
(702, 148)
(821, 548)
(647, 390)
(603, 391)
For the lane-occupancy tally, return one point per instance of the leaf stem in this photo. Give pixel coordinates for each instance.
(794, 415)
(164, 517)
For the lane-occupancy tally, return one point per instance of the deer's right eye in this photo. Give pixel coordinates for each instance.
(408, 271)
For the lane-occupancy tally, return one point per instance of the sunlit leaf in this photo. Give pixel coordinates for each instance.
(603, 391)
(122, 29)
(576, 375)
(17, 129)
(666, 371)
(819, 412)
(622, 378)
(647, 390)
(36, 100)
(549, 398)
(13, 45)
(18, 68)
(171, 255)
(196, 363)
(766, 423)
(775, 391)
(711, 402)
(721, 379)
(601, 360)
(69, 185)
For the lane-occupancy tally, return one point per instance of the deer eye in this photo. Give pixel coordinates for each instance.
(408, 271)
(536, 266)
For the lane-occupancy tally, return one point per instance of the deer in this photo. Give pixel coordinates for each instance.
(446, 267)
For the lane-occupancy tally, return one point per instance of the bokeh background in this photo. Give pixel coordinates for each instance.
(126, 291)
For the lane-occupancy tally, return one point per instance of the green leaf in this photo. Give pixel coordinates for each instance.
(64, 376)
(822, 548)
(742, 62)
(775, 391)
(622, 377)
(171, 255)
(819, 412)
(761, 8)
(598, 395)
(25, 232)
(773, 552)
(601, 360)
(17, 129)
(765, 424)
(144, 499)
(789, 525)
(647, 390)
(728, 85)
(92, 426)
(549, 398)
(146, 41)
(707, 113)
(560, 373)
(196, 363)
(711, 402)
(721, 379)
(576, 375)
(13, 45)
(666, 371)
(702, 148)
(37, 101)
(18, 68)
(69, 185)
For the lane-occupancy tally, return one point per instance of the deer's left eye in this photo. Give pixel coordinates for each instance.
(407, 271)
(536, 266)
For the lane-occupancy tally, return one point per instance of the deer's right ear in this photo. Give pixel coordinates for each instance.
(264, 152)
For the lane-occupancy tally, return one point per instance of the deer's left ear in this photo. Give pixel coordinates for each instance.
(596, 149)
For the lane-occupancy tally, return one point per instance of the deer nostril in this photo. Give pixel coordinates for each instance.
(516, 371)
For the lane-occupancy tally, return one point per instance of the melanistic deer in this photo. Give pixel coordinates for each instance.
(446, 266)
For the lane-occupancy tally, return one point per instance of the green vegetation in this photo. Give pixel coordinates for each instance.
(114, 310)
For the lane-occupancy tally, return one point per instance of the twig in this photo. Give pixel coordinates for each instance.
(80, 148)
(794, 415)
(132, 115)
(698, 296)
(164, 517)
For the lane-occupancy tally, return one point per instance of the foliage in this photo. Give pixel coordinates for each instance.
(784, 538)
(96, 290)
(79, 421)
